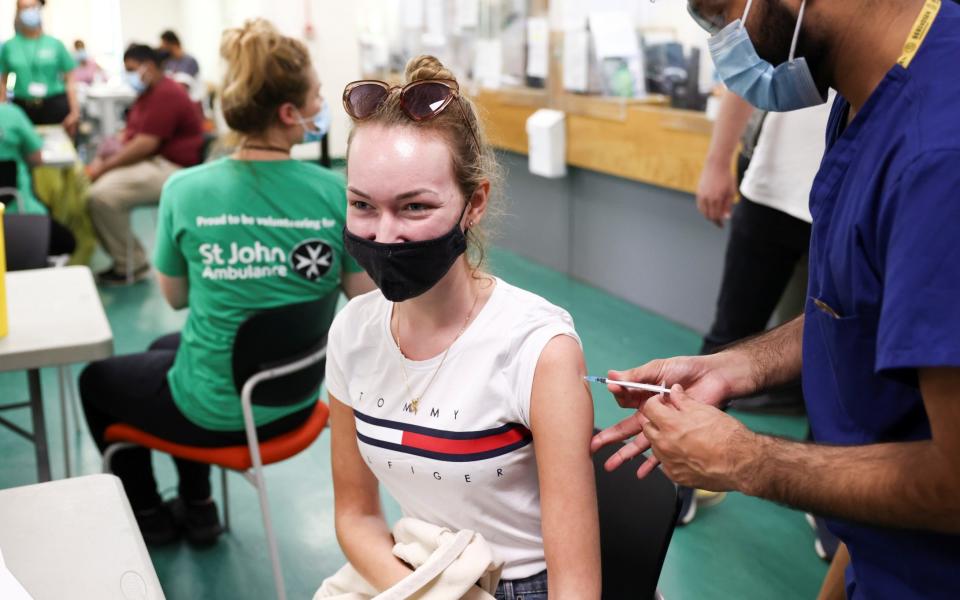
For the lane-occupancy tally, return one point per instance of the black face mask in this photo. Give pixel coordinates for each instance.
(407, 269)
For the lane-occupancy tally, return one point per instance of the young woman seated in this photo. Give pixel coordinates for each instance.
(460, 393)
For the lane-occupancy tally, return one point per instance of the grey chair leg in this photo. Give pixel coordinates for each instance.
(113, 449)
(130, 252)
(64, 384)
(271, 536)
(224, 490)
(74, 400)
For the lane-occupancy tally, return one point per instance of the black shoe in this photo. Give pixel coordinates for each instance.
(157, 525)
(200, 523)
(112, 277)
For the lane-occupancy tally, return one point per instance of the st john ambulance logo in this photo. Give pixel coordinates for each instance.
(311, 259)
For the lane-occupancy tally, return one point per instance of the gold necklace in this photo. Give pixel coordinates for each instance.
(415, 400)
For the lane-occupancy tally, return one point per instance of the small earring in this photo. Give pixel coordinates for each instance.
(469, 223)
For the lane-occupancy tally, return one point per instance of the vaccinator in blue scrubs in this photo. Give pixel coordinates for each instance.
(878, 346)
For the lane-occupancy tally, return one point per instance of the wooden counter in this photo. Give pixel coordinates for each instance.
(636, 140)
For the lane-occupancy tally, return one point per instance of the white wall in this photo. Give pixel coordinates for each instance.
(333, 45)
(143, 21)
(107, 26)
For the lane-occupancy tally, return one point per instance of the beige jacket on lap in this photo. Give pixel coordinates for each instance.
(448, 565)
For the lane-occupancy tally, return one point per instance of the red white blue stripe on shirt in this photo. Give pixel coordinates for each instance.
(439, 444)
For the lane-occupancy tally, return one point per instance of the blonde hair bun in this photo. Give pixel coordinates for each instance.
(427, 67)
(264, 70)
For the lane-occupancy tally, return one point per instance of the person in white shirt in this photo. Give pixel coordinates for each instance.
(460, 393)
(769, 227)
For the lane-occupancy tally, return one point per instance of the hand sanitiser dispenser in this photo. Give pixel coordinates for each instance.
(547, 143)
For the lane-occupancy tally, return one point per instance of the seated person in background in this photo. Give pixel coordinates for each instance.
(178, 61)
(87, 69)
(182, 388)
(454, 355)
(20, 147)
(164, 133)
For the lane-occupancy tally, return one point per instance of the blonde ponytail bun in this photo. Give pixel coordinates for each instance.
(427, 67)
(264, 70)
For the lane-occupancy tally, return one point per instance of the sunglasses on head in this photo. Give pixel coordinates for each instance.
(420, 100)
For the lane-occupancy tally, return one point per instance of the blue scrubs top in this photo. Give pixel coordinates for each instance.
(885, 292)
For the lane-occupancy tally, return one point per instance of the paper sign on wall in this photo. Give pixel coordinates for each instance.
(488, 63)
(538, 47)
(576, 60)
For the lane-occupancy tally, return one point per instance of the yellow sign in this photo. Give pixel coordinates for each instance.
(918, 33)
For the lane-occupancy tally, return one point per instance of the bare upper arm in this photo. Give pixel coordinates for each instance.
(175, 290)
(560, 397)
(355, 487)
(146, 143)
(561, 415)
(355, 284)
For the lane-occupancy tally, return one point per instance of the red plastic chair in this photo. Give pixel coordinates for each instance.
(278, 359)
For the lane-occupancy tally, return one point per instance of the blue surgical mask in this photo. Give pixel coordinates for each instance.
(30, 17)
(316, 130)
(135, 80)
(787, 87)
(80, 56)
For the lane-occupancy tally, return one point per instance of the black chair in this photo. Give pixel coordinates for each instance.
(325, 151)
(26, 240)
(637, 519)
(9, 193)
(279, 356)
(209, 139)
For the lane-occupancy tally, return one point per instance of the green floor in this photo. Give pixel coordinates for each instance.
(741, 548)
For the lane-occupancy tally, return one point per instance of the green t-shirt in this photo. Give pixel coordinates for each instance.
(18, 139)
(248, 235)
(39, 62)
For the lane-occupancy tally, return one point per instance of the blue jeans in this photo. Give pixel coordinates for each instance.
(530, 588)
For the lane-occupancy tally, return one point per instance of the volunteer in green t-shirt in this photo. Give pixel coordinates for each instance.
(244, 233)
(19, 150)
(43, 68)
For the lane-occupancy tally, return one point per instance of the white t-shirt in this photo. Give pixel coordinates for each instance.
(464, 458)
(787, 158)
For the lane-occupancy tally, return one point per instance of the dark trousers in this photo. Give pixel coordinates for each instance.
(764, 249)
(46, 111)
(133, 389)
(61, 240)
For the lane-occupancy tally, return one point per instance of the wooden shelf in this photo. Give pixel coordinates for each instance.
(639, 140)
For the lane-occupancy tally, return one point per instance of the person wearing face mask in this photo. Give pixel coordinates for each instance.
(43, 68)
(87, 69)
(877, 346)
(460, 393)
(177, 61)
(769, 229)
(235, 236)
(163, 134)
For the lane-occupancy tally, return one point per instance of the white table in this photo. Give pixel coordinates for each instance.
(55, 318)
(104, 101)
(58, 150)
(76, 538)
